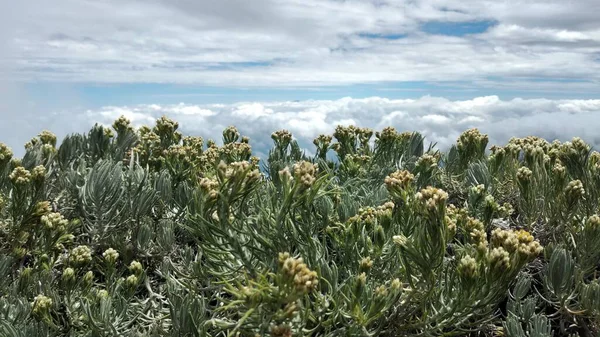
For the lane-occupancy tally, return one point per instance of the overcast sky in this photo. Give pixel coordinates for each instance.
(436, 66)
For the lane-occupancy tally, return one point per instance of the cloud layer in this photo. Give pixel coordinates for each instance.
(439, 119)
(307, 42)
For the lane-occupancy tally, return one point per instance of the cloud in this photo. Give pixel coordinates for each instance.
(288, 43)
(441, 120)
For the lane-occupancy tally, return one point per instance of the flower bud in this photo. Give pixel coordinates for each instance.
(499, 259)
(593, 222)
(136, 268)
(110, 256)
(379, 236)
(381, 292)
(102, 294)
(359, 284)
(400, 240)
(88, 278)
(41, 208)
(365, 264)
(467, 267)
(574, 191)
(40, 308)
(282, 330)
(68, 275)
(131, 281)
(396, 285)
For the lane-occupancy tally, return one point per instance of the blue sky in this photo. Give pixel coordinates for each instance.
(63, 64)
(98, 95)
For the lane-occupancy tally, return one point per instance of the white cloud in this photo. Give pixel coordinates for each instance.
(436, 119)
(189, 110)
(276, 43)
(439, 119)
(252, 111)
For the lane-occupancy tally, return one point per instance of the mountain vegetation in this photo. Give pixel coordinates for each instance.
(127, 231)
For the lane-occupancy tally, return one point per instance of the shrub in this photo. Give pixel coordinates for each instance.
(146, 232)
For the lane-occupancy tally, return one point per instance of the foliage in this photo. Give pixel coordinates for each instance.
(144, 232)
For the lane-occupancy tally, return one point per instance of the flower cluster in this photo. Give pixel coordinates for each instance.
(498, 153)
(47, 137)
(579, 146)
(41, 306)
(68, 274)
(521, 241)
(41, 208)
(359, 284)
(479, 240)
(236, 151)
(451, 219)
(369, 215)
(38, 173)
(282, 330)
(478, 190)
(81, 255)
(385, 209)
(533, 152)
(282, 138)
(20, 176)
(499, 259)
(294, 269)
(358, 159)
(524, 175)
(54, 221)
(365, 264)
(559, 170)
(400, 240)
(398, 181)
(210, 187)
(574, 191)
(345, 133)
(131, 281)
(135, 267)
(427, 162)
(433, 197)
(5, 153)
(166, 127)
(88, 277)
(110, 256)
(121, 125)
(381, 292)
(322, 142)
(388, 134)
(593, 222)
(305, 172)
(467, 267)
(231, 134)
(472, 142)
(531, 141)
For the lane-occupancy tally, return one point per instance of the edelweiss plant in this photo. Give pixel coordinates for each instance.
(136, 232)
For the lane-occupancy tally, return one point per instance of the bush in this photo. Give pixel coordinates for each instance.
(146, 232)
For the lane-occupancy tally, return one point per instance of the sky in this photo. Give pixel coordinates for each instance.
(510, 68)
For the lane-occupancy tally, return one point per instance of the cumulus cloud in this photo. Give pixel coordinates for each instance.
(439, 119)
(306, 43)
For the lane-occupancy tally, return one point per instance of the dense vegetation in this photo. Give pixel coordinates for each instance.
(142, 232)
